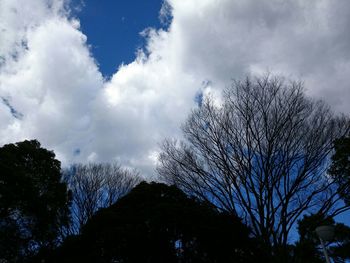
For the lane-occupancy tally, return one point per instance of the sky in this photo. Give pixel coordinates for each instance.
(108, 80)
(125, 24)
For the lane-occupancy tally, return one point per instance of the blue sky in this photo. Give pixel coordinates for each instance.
(113, 28)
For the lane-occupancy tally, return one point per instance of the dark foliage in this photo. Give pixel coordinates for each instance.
(157, 223)
(33, 200)
(95, 186)
(340, 168)
(308, 248)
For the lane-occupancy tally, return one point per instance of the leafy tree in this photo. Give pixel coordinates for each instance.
(340, 168)
(95, 186)
(262, 154)
(33, 201)
(157, 223)
(308, 247)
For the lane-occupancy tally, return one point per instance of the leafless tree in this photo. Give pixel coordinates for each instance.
(94, 186)
(262, 155)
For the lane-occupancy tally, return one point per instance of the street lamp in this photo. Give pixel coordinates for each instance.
(325, 233)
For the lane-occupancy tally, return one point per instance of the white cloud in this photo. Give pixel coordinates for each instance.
(52, 81)
(47, 73)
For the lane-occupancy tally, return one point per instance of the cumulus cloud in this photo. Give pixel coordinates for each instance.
(51, 88)
(48, 76)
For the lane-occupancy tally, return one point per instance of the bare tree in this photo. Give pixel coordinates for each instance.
(94, 186)
(118, 182)
(261, 155)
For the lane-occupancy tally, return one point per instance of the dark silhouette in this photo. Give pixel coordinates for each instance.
(95, 186)
(308, 248)
(157, 223)
(340, 168)
(262, 154)
(33, 201)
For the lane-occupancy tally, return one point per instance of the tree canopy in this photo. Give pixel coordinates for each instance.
(157, 223)
(33, 201)
(308, 248)
(95, 186)
(340, 168)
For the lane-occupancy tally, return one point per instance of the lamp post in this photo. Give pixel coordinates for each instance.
(325, 233)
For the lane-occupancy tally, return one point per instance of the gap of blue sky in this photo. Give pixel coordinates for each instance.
(113, 28)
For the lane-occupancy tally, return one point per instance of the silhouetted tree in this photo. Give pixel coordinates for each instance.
(340, 168)
(308, 248)
(96, 185)
(33, 201)
(157, 223)
(262, 154)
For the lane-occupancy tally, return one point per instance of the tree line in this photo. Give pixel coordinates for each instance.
(252, 167)
(41, 204)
